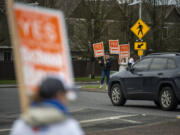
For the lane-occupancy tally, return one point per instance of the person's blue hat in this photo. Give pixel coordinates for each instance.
(50, 86)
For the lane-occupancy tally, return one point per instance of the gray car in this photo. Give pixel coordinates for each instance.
(155, 77)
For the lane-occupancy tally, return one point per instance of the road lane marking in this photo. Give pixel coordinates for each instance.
(77, 110)
(131, 121)
(5, 130)
(100, 119)
(178, 116)
(106, 118)
(133, 127)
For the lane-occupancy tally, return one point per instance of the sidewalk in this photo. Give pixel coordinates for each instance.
(8, 86)
(76, 83)
(166, 128)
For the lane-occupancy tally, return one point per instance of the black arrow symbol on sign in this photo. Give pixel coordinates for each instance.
(139, 46)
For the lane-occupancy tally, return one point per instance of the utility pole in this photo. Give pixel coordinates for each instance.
(140, 7)
(154, 24)
(140, 15)
(140, 10)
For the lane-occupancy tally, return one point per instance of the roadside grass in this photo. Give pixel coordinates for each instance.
(87, 79)
(78, 79)
(93, 87)
(7, 81)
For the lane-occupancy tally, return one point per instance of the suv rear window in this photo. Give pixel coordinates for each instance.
(178, 61)
(158, 64)
(171, 64)
(142, 65)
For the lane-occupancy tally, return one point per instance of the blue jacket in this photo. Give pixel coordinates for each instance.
(46, 118)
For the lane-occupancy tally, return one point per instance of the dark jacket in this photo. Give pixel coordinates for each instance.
(106, 66)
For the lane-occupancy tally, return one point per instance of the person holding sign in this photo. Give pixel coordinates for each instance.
(132, 60)
(106, 66)
(123, 64)
(48, 114)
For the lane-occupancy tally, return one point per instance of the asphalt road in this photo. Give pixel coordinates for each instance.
(94, 111)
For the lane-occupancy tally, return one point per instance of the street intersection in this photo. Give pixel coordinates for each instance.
(94, 111)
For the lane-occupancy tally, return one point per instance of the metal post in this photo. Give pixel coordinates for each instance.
(154, 25)
(140, 9)
(140, 16)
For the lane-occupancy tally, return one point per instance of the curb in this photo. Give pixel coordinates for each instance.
(80, 89)
(92, 90)
(85, 83)
(8, 86)
(16, 86)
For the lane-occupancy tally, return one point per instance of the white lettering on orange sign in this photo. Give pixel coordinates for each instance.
(39, 57)
(124, 51)
(39, 30)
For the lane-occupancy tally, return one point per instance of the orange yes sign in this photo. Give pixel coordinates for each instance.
(98, 49)
(43, 45)
(124, 51)
(114, 46)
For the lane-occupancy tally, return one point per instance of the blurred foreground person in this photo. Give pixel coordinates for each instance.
(48, 115)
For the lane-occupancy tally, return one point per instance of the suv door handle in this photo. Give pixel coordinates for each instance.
(160, 73)
(140, 74)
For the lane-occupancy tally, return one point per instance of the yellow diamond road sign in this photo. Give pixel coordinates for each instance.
(140, 29)
(140, 46)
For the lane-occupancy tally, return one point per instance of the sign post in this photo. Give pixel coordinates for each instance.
(15, 42)
(40, 47)
(140, 29)
(140, 53)
(140, 46)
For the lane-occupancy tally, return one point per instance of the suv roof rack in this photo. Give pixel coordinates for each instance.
(167, 53)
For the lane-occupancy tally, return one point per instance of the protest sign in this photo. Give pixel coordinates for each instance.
(124, 52)
(98, 49)
(114, 46)
(40, 46)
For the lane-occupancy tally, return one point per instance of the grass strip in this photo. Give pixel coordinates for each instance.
(87, 79)
(93, 87)
(78, 79)
(7, 81)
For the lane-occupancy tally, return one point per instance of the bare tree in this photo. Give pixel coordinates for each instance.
(158, 11)
(91, 27)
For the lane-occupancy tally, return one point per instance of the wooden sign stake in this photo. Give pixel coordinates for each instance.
(24, 100)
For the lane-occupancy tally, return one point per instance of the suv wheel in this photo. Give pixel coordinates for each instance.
(167, 99)
(117, 97)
